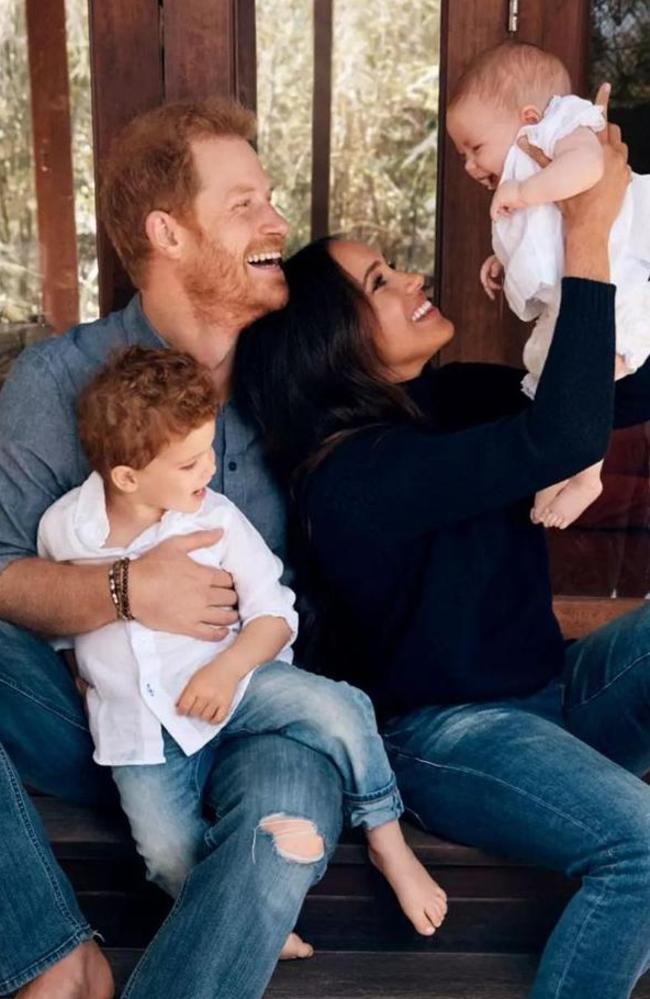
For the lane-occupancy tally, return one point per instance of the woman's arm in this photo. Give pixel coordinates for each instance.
(408, 481)
(414, 481)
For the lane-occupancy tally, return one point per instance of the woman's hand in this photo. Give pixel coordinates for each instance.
(589, 216)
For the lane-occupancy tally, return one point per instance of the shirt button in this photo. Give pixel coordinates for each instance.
(149, 689)
(232, 466)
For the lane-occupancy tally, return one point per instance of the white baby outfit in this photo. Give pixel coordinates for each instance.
(530, 246)
(136, 675)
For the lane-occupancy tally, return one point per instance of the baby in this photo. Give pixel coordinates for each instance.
(160, 704)
(518, 90)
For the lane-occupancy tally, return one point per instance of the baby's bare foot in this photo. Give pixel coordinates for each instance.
(82, 974)
(422, 900)
(572, 500)
(295, 947)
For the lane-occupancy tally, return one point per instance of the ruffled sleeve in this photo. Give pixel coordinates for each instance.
(563, 116)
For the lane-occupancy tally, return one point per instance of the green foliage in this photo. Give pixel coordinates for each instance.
(384, 120)
(384, 134)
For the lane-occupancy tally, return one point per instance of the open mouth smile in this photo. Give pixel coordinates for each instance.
(265, 261)
(423, 310)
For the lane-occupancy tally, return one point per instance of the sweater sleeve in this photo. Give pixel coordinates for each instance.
(407, 480)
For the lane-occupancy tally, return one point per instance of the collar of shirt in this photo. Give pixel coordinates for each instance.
(93, 528)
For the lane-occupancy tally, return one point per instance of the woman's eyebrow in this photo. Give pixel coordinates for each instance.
(373, 266)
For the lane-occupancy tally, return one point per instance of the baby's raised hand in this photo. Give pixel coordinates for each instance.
(209, 693)
(492, 276)
(507, 198)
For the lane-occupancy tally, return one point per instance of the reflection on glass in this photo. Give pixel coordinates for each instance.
(285, 72)
(384, 126)
(607, 553)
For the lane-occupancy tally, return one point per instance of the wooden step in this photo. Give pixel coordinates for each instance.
(495, 905)
(393, 976)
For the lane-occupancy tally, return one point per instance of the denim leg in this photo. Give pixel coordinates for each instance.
(40, 921)
(237, 907)
(43, 730)
(504, 779)
(164, 805)
(42, 722)
(607, 690)
(334, 719)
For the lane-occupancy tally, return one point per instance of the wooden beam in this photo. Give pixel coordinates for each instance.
(578, 616)
(52, 137)
(126, 75)
(321, 118)
(209, 48)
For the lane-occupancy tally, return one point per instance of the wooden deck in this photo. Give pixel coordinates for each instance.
(500, 914)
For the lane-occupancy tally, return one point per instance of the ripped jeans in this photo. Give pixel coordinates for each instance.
(165, 805)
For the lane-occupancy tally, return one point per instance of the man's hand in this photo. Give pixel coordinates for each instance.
(169, 591)
(492, 276)
(209, 694)
(507, 198)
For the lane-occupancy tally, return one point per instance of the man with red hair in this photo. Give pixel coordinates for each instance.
(188, 207)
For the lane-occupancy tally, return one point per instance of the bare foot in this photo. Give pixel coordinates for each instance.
(82, 974)
(543, 500)
(572, 500)
(422, 900)
(295, 947)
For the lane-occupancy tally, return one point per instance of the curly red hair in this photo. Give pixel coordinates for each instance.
(139, 402)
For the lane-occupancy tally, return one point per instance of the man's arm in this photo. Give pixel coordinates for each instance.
(168, 591)
(39, 461)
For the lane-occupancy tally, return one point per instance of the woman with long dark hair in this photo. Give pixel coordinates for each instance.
(411, 493)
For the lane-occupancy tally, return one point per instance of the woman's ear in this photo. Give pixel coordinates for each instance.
(530, 115)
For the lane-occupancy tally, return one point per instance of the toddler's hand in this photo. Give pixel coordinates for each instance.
(492, 276)
(209, 693)
(507, 198)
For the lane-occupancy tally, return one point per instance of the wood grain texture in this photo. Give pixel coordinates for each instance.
(321, 138)
(126, 76)
(52, 141)
(198, 40)
(578, 616)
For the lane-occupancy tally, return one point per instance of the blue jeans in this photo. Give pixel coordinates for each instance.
(210, 944)
(553, 779)
(165, 802)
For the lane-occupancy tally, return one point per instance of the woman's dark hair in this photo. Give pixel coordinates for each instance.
(309, 374)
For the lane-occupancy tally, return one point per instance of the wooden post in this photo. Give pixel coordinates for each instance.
(126, 75)
(321, 118)
(154, 50)
(48, 72)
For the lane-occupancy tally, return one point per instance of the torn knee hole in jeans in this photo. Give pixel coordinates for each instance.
(294, 839)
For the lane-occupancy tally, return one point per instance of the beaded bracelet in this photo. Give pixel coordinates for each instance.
(118, 584)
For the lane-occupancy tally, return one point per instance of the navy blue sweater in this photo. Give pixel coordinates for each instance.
(438, 582)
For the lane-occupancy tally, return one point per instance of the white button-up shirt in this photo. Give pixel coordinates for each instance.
(136, 675)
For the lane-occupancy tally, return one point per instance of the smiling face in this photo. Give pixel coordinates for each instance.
(177, 477)
(232, 246)
(409, 329)
(483, 133)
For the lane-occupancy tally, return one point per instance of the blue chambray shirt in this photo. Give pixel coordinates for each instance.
(40, 454)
